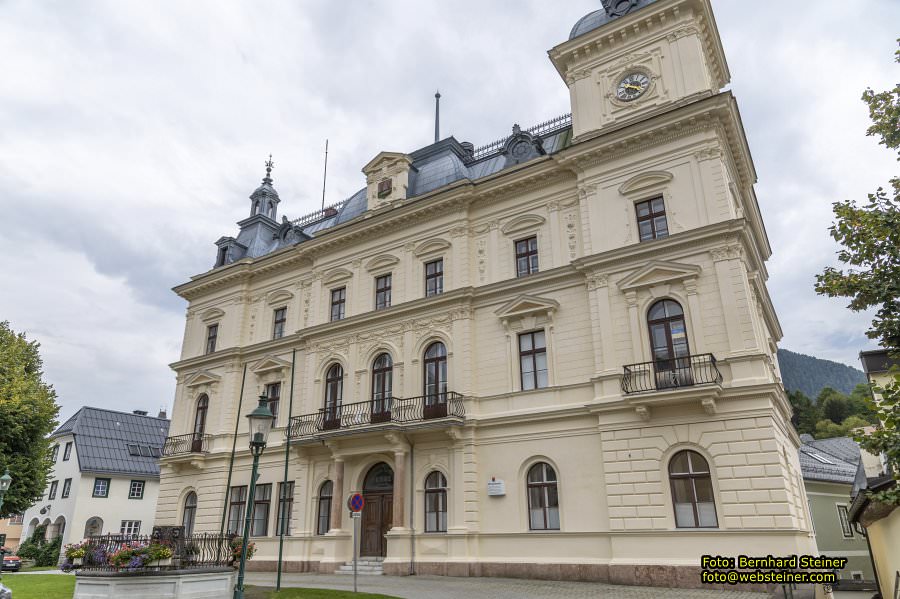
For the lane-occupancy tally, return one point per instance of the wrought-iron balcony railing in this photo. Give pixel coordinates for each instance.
(386, 411)
(658, 375)
(184, 444)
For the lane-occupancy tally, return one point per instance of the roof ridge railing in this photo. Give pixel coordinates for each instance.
(543, 128)
(326, 212)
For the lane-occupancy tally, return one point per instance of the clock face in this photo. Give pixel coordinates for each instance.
(632, 86)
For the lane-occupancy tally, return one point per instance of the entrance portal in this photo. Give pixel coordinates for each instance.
(378, 491)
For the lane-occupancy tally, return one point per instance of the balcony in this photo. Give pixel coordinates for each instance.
(671, 374)
(186, 444)
(440, 409)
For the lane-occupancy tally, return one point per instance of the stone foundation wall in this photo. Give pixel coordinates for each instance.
(184, 584)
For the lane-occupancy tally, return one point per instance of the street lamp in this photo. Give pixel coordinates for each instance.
(261, 420)
(5, 481)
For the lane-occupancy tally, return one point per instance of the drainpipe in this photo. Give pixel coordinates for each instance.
(412, 510)
(237, 421)
(287, 455)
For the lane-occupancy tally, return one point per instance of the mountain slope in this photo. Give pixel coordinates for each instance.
(810, 375)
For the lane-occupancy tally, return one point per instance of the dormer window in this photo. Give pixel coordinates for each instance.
(384, 188)
(220, 258)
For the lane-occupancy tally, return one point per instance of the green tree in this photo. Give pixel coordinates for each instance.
(836, 407)
(826, 429)
(862, 403)
(28, 413)
(806, 412)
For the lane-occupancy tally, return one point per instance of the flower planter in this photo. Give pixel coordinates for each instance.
(160, 562)
(77, 561)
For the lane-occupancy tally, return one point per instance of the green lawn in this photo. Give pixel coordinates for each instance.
(267, 593)
(40, 586)
(38, 568)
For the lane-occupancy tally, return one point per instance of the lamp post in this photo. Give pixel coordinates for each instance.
(261, 420)
(5, 481)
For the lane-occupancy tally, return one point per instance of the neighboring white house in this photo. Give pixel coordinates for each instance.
(105, 476)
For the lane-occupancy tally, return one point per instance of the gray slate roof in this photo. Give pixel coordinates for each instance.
(843, 452)
(102, 436)
(612, 9)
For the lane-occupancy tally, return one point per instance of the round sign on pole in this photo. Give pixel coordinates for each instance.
(356, 502)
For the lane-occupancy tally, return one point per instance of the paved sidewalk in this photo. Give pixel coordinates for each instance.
(446, 587)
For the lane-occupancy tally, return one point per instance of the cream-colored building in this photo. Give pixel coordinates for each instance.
(552, 356)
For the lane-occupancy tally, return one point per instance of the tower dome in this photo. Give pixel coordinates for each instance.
(612, 9)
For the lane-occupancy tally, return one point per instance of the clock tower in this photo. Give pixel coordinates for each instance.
(634, 58)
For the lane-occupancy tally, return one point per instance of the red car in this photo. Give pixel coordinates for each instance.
(12, 562)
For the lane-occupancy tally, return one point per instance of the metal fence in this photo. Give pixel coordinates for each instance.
(685, 371)
(133, 553)
(190, 443)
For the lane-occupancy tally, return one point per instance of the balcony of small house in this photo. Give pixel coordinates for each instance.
(186, 449)
(677, 380)
(438, 410)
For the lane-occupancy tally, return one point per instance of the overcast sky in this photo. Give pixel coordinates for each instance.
(131, 134)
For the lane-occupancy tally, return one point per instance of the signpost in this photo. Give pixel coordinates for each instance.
(355, 504)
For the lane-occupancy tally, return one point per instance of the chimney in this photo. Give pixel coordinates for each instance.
(140, 412)
(162, 413)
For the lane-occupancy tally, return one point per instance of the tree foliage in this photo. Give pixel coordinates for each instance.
(833, 414)
(28, 413)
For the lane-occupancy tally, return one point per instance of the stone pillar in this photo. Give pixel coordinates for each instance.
(337, 500)
(399, 488)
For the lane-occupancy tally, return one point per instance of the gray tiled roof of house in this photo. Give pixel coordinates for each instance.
(102, 438)
(829, 460)
(435, 166)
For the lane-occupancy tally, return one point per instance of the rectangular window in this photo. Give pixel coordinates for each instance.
(136, 491)
(262, 500)
(54, 453)
(285, 507)
(212, 332)
(280, 320)
(53, 486)
(68, 452)
(533, 360)
(845, 521)
(384, 188)
(17, 519)
(236, 509)
(101, 487)
(526, 256)
(651, 219)
(67, 487)
(383, 292)
(130, 528)
(273, 392)
(434, 278)
(338, 301)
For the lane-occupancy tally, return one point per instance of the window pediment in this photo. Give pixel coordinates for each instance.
(527, 305)
(202, 377)
(645, 181)
(658, 272)
(335, 275)
(432, 246)
(212, 314)
(522, 223)
(279, 297)
(270, 364)
(382, 261)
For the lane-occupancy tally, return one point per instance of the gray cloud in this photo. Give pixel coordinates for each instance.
(132, 133)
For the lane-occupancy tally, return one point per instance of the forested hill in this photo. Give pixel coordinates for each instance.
(810, 375)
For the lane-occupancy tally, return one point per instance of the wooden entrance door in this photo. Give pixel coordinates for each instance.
(378, 491)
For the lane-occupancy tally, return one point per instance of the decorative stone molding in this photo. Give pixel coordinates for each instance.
(200, 379)
(522, 223)
(709, 405)
(729, 252)
(381, 262)
(336, 275)
(212, 315)
(597, 281)
(644, 181)
(658, 272)
(432, 246)
(526, 311)
(643, 412)
(279, 297)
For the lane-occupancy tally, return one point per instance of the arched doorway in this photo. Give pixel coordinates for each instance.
(93, 527)
(378, 490)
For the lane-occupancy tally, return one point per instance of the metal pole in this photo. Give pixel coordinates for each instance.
(239, 587)
(355, 548)
(233, 449)
(325, 174)
(437, 117)
(287, 455)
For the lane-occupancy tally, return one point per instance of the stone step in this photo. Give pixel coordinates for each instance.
(349, 568)
(361, 572)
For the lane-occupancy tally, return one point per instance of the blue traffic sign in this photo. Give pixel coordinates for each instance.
(356, 502)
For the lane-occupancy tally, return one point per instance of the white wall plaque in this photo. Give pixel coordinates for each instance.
(496, 488)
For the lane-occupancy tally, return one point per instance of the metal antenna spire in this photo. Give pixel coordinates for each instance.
(269, 166)
(437, 116)
(325, 174)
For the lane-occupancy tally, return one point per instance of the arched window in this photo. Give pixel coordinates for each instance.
(189, 515)
(382, 381)
(200, 423)
(692, 491)
(323, 524)
(543, 498)
(669, 343)
(435, 380)
(334, 393)
(436, 502)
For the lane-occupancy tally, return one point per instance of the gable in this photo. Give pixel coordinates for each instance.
(202, 377)
(527, 305)
(270, 364)
(658, 272)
